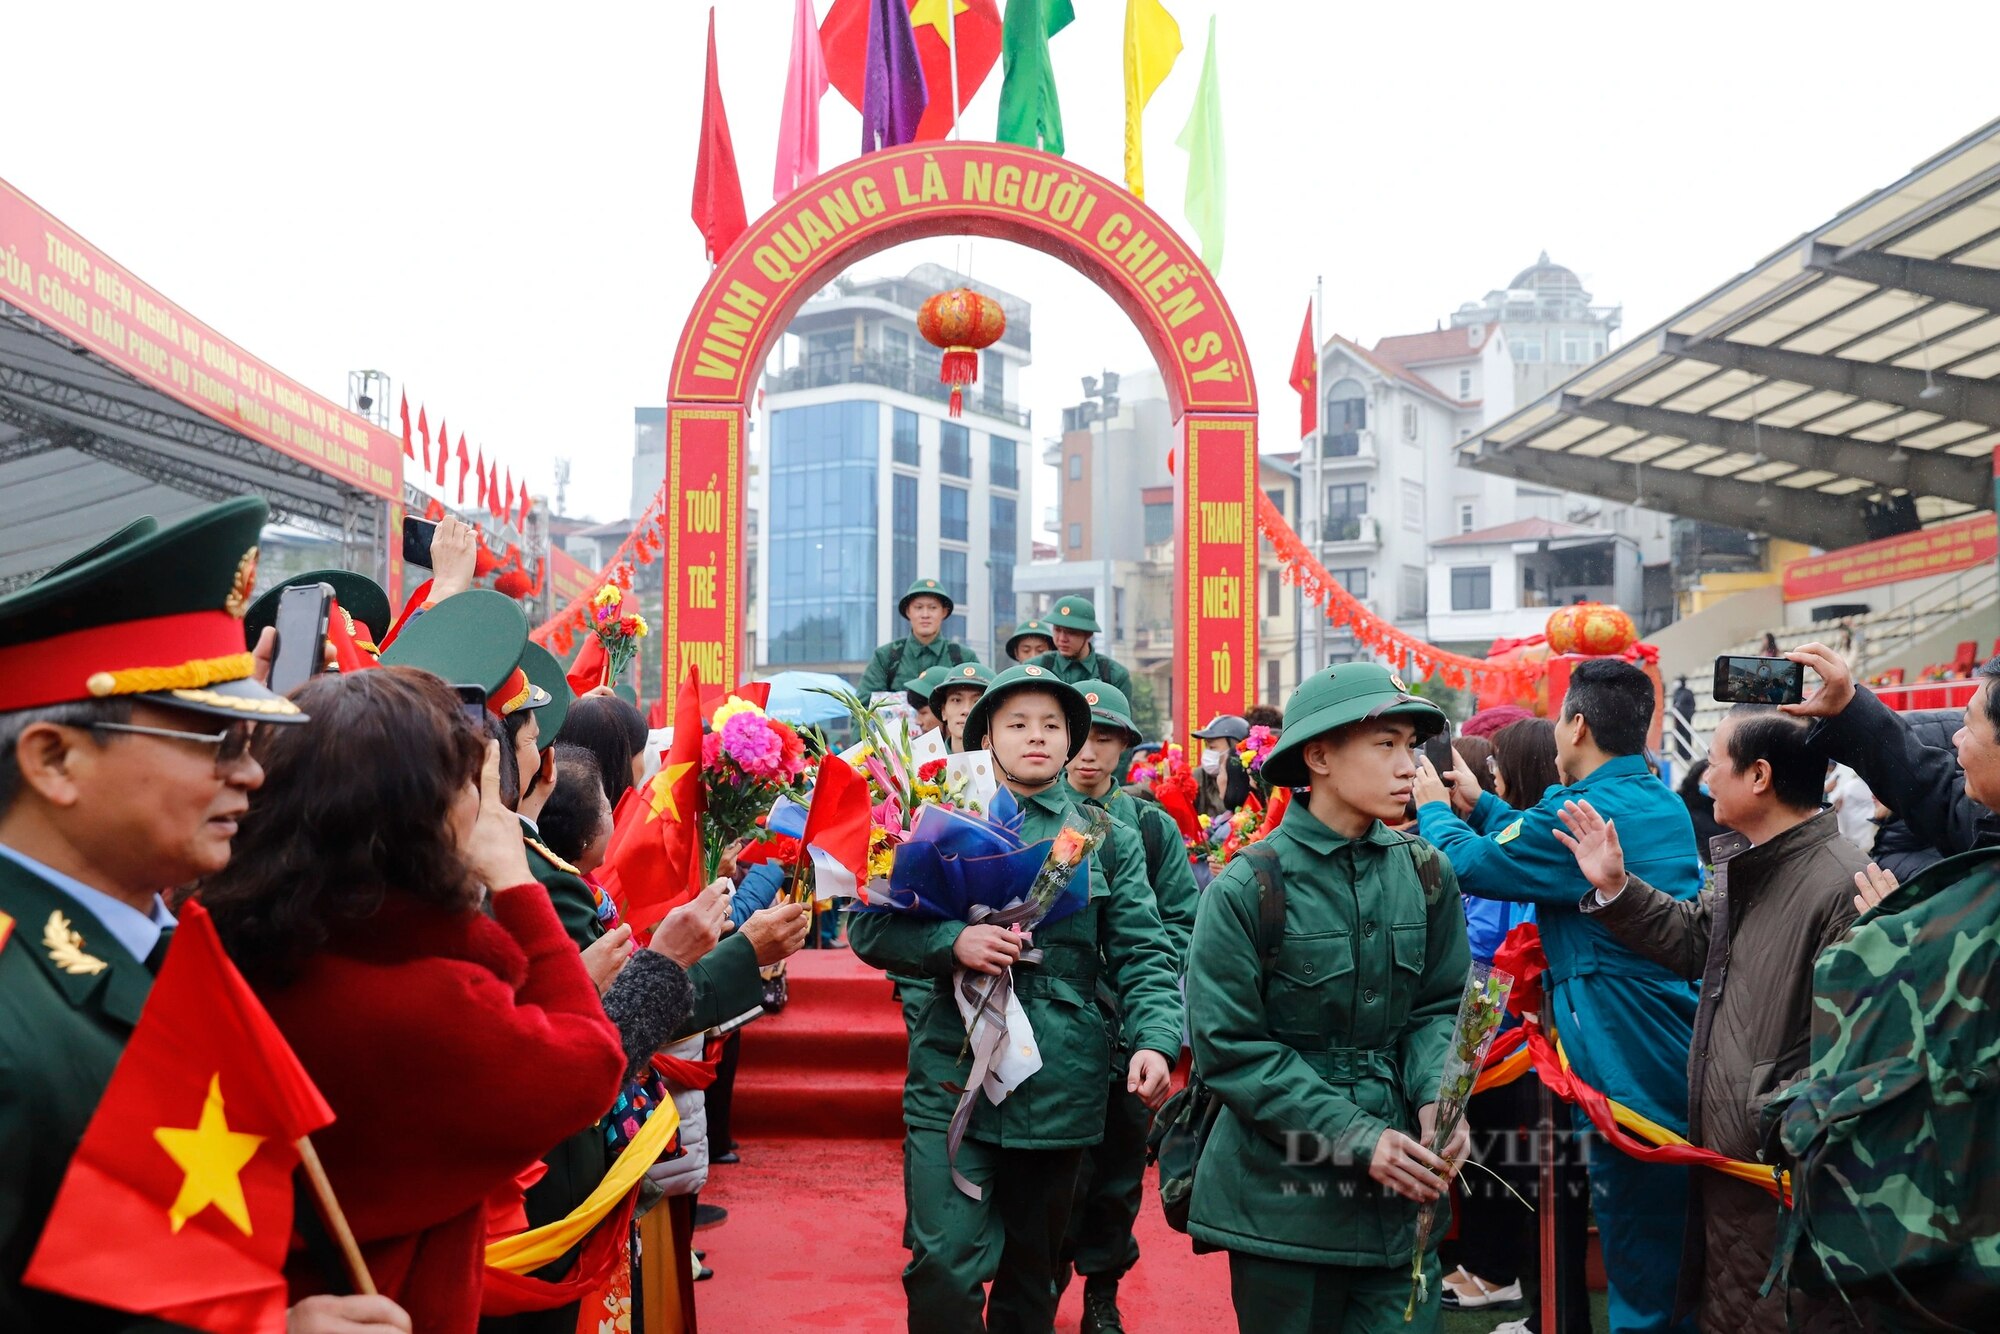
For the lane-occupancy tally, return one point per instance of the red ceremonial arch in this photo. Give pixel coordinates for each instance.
(1014, 194)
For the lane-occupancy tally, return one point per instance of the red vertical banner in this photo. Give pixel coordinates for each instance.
(1215, 564)
(703, 526)
(394, 543)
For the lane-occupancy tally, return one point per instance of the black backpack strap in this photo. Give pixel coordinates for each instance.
(1428, 872)
(955, 651)
(895, 661)
(1270, 903)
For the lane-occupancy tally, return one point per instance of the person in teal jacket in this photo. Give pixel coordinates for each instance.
(1023, 1153)
(1626, 1022)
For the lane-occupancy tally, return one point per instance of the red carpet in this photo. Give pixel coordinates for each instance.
(814, 1236)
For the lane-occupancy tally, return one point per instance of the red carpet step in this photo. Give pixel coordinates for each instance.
(831, 1064)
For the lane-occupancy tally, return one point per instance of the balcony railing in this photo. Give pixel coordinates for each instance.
(905, 376)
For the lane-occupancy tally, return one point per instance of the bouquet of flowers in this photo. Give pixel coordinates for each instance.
(1253, 748)
(748, 761)
(1480, 1011)
(1171, 780)
(618, 631)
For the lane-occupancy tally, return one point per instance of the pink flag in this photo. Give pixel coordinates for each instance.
(798, 125)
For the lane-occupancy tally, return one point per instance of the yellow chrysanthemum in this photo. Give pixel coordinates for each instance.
(607, 596)
(730, 707)
(639, 627)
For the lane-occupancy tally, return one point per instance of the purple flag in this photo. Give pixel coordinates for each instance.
(893, 94)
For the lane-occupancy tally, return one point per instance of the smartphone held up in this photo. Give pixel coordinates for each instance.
(1742, 679)
(301, 624)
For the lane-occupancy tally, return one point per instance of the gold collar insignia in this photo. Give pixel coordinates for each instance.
(65, 947)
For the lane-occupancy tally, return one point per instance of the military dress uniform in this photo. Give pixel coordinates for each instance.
(1080, 614)
(1100, 1243)
(1342, 1038)
(152, 614)
(901, 659)
(1023, 1153)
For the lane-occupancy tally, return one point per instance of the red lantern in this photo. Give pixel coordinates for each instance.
(1593, 628)
(514, 583)
(962, 322)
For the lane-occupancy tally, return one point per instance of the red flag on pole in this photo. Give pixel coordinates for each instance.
(718, 190)
(837, 828)
(479, 472)
(526, 506)
(654, 861)
(493, 488)
(424, 430)
(444, 448)
(409, 449)
(1305, 377)
(587, 672)
(508, 502)
(464, 463)
(178, 1201)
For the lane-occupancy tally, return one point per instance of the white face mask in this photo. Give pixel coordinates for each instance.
(1211, 761)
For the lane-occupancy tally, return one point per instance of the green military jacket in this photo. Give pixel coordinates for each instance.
(63, 1026)
(1092, 666)
(1061, 1105)
(1167, 867)
(904, 659)
(1343, 1038)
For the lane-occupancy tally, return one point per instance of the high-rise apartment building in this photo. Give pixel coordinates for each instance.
(864, 481)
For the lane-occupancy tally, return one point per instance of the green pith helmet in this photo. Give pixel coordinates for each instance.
(1074, 614)
(545, 670)
(1030, 629)
(1110, 708)
(966, 675)
(143, 526)
(151, 614)
(1027, 676)
(918, 688)
(627, 693)
(1338, 696)
(358, 595)
(925, 588)
(474, 638)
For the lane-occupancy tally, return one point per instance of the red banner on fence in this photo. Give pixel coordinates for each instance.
(1945, 549)
(62, 280)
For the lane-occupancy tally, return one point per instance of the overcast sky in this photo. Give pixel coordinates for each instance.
(491, 203)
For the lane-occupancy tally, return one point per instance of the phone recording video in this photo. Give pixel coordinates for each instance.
(1751, 680)
(472, 704)
(301, 624)
(417, 536)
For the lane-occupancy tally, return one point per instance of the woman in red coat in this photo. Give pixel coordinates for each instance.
(379, 900)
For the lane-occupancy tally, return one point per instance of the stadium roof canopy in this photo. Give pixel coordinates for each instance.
(1852, 376)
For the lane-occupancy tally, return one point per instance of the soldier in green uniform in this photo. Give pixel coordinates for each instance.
(1100, 1244)
(1030, 640)
(952, 698)
(1023, 1153)
(127, 705)
(1074, 625)
(926, 606)
(1327, 1059)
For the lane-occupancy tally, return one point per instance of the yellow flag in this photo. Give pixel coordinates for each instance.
(1152, 41)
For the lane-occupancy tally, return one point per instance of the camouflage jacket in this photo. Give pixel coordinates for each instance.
(1890, 1134)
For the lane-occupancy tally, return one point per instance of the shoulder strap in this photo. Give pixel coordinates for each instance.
(1270, 902)
(895, 661)
(1426, 858)
(955, 651)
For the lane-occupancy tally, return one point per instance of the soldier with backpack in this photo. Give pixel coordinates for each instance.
(1323, 983)
(926, 606)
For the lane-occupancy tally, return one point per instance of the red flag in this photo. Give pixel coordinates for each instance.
(656, 717)
(837, 826)
(493, 488)
(409, 450)
(347, 639)
(843, 36)
(718, 190)
(654, 861)
(526, 505)
(1305, 377)
(178, 1202)
(587, 672)
(444, 448)
(756, 692)
(508, 504)
(464, 463)
(479, 471)
(424, 430)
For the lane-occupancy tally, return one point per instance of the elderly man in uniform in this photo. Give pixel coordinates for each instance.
(926, 606)
(1074, 625)
(127, 704)
(1323, 985)
(1023, 1154)
(1100, 1244)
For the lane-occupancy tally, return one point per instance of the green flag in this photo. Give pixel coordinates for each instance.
(1030, 114)
(1207, 179)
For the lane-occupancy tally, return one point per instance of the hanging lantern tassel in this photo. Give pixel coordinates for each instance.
(961, 322)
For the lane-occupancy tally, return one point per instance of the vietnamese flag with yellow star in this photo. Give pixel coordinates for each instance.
(178, 1201)
(653, 863)
(843, 37)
